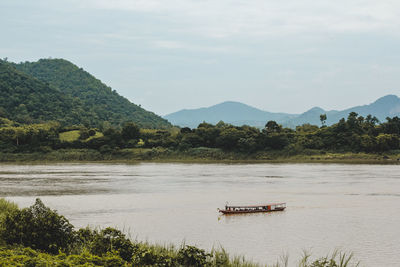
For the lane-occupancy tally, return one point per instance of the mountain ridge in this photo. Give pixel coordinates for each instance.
(228, 111)
(386, 106)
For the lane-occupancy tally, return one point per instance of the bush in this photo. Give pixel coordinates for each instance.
(106, 241)
(37, 227)
(84, 134)
(6, 207)
(192, 256)
(29, 257)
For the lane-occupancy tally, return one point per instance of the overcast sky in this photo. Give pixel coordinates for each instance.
(280, 56)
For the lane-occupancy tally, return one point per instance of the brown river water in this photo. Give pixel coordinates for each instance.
(355, 208)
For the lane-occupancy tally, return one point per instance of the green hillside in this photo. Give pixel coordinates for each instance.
(28, 100)
(99, 101)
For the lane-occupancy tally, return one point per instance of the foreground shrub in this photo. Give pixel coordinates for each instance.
(106, 241)
(37, 227)
(336, 259)
(6, 207)
(28, 257)
(192, 256)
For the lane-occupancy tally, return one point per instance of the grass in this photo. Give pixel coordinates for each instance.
(335, 259)
(20, 256)
(97, 135)
(198, 155)
(71, 136)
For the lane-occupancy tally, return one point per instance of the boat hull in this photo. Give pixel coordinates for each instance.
(248, 211)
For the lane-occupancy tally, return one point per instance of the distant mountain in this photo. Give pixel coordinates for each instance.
(311, 116)
(235, 113)
(238, 114)
(387, 106)
(99, 102)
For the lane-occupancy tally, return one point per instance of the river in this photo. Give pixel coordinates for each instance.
(355, 208)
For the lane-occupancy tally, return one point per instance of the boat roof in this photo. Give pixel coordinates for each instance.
(255, 206)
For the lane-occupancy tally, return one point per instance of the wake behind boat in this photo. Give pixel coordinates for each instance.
(253, 208)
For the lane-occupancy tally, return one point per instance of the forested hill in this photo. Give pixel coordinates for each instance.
(28, 100)
(99, 101)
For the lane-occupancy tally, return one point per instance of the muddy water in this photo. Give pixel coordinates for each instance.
(351, 207)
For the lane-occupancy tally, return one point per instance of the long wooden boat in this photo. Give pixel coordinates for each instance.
(270, 207)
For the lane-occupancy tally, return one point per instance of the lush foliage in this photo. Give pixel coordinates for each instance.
(37, 227)
(6, 207)
(28, 137)
(50, 141)
(88, 115)
(27, 100)
(101, 104)
(25, 256)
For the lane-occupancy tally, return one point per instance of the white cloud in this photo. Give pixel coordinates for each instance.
(168, 44)
(226, 18)
(259, 51)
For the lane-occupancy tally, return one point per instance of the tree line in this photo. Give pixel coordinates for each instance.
(354, 134)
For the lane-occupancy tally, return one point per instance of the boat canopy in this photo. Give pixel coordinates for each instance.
(256, 206)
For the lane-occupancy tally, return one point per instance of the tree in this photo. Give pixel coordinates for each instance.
(387, 142)
(322, 118)
(306, 128)
(371, 120)
(392, 126)
(130, 131)
(352, 119)
(229, 137)
(105, 241)
(84, 133)
(192, 256)
(37, 227)
(272, 127)
(185, 130)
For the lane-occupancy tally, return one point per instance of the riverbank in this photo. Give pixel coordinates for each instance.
(198, 155)
(45, 238)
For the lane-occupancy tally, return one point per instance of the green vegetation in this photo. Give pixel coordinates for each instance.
(53, 110)
(39, 236)
(356, 139)
(69, 136)
(57, 90)
(83, 134)
(27, 100)
(37, 227)
(6, 207)
(101, 104)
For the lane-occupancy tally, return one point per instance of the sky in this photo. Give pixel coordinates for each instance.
(279, 56)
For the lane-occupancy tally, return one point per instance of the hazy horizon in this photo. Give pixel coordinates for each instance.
(168, 56)
(227, 101)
